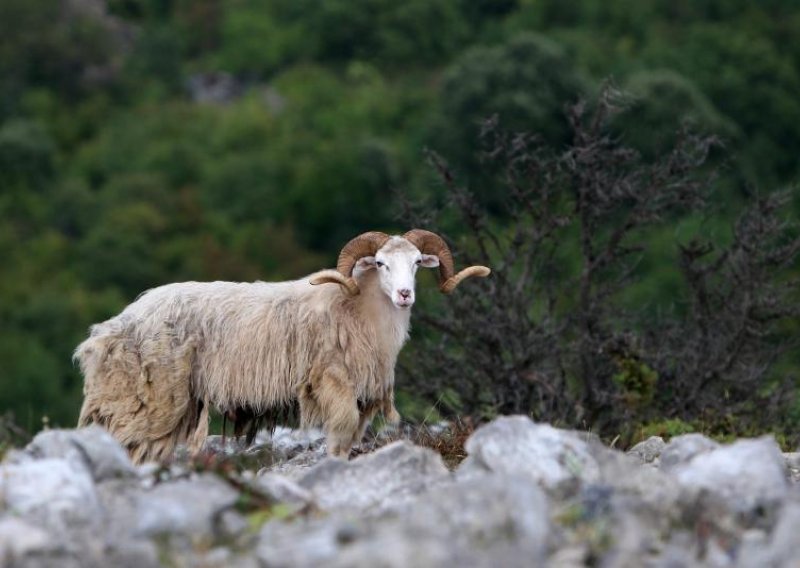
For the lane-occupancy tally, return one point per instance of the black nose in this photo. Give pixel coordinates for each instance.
(405, 293)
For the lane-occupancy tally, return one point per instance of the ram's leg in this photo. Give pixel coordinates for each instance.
(390, 413)
(364, 420)
(338, 406)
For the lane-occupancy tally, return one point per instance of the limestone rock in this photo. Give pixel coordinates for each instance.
(291, 442)
(793, 464)
(781, 548)
(517, 445)
(486, 520)
(283, 490)
(56, 492)
(93, 447)
(527, 495)
(299, 465)
(184, 506)
(21, 540)
(652, 490)
(683, 448)
(379, 480)
(746, 474)
(649, 450)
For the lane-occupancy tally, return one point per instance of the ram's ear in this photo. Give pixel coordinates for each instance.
(430, 261)
(363, 264)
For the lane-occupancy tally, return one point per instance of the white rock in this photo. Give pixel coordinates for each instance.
(683, 448)
(57, 492)
(296, 467)
(282, 489)
(649, 450)
(647, 485)
(486, 520)
(291, 441)
(184, 506)
(517, 445)
(495, 511)
(379, 480)
(780, 549)
(19, 538)
(745, 474)
(92, 446)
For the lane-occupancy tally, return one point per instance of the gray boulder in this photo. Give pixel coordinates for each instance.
(379, 481)
(683, 448)
(93, 447)
(517, 445)
(21, 542)
(486, 520)
(746, 474)
(299, 465)
(283, 490)
(649, 450)
(649, 489)
(780, 549)
(184, 507)
(58, 493)
(290, 442)
(793, 464)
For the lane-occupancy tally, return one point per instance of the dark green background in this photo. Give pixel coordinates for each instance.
(113, 179)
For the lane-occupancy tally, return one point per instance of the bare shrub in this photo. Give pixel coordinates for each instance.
(548, 334)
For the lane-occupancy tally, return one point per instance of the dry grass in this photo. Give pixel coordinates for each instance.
(447, 439)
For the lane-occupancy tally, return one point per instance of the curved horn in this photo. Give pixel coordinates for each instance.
(431, 243)
(365, 244)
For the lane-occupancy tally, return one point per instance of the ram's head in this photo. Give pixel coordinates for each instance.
(396, 260)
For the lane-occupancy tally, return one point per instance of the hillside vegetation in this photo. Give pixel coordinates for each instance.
(151, 141)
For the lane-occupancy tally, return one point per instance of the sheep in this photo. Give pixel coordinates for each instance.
(257, 352)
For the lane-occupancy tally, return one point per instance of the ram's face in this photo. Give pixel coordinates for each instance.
(397, 263)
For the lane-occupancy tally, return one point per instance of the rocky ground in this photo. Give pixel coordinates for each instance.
(527, 494)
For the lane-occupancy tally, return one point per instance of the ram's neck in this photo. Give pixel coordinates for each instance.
(390, 322)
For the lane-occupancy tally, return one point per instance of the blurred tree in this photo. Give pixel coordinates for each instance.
(156, 60)
(259, 37)
(27, 155)
(55, 44)
(525, 82)
(659, 99)
(29, 378)
(416, 32)
(753, 84)
(120, 250)
(197, 21)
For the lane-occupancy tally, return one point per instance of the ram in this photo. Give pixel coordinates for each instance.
(255, 351)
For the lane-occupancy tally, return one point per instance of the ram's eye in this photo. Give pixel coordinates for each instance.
(419, 261)
(379, 264)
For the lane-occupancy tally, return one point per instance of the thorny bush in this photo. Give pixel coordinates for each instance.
(549, 335)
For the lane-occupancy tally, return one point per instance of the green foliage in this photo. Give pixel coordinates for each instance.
(39, 48)
(636, 380)
(112, 180)
(668, 428)
(258, 37)
(413, 32)
(27, 155)
(526, 82)
(750, 80)
(156, 60)
(660, 100)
